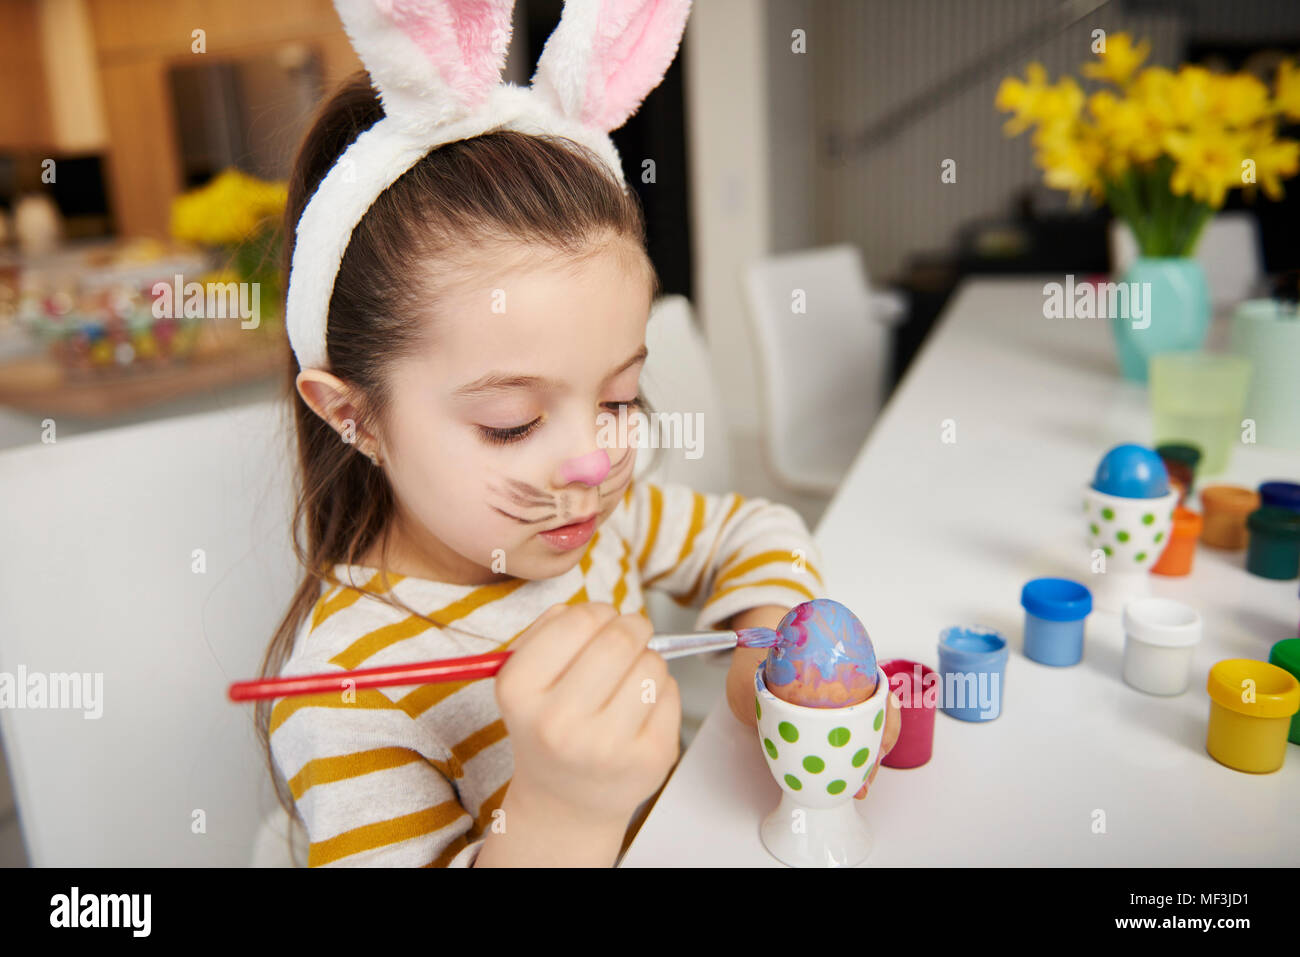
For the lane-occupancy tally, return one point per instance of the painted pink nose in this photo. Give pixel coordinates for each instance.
(588, 469)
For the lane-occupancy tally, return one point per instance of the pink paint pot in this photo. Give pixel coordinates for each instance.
(917, 687)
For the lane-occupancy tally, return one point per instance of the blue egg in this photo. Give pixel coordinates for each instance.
(1132, 471)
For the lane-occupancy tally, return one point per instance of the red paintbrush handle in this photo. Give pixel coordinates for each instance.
(419, 673)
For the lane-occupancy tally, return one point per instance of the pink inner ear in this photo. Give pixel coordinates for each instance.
(457, 37)
(633, 46)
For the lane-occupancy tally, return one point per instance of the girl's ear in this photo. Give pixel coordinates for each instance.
(605, 56)
(432, 61)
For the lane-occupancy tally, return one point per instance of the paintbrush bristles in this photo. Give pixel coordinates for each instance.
(756, 638)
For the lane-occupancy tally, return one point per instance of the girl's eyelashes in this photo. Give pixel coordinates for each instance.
(632, 403)
(519, 433)
(506, 436)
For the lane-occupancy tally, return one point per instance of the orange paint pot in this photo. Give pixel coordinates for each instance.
(1226, 508)
(1179, 554)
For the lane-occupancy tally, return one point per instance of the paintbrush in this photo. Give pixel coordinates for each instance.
(479, 666)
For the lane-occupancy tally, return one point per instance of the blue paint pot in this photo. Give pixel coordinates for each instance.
(972, 671)
(1055, 609)
(1280, 495)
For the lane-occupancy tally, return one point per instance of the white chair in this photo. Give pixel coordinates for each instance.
(1229, 251)
(823, 347)
(102, 574)
(677, 378)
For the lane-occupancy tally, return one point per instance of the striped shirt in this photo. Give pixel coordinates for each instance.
(412, 775)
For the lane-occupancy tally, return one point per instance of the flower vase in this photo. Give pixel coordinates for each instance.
(1174, 314)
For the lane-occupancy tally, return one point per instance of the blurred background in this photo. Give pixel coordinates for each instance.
(115, 108)
(141, 139)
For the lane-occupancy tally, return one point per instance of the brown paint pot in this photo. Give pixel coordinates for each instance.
(1225, 509)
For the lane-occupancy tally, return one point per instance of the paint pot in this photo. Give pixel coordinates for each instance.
(1224, 509)
(917, 687)
(1055, 610)
(1181, 461)
(1280, 495)
(1286, 655)
(972, 671)
(1274, 543)
(1159, 638)
(1251, 707)
(1180, 554)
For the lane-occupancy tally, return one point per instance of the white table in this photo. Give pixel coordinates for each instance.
(922, 535)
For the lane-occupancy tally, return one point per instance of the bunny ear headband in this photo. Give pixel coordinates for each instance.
(437, 66)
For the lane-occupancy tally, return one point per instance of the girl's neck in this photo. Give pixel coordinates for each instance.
(432, 561)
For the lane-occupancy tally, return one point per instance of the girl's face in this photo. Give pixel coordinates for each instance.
(495, 433)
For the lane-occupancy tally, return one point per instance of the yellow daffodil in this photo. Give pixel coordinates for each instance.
(1163, 134)
(1060, 103)
(1191, 95)
(228, 209)
(1206, 164)
(1239, 100)
(1118, 60)
(1021, 98)
(1287, 95)
(1071, 160)
(1133, 132)
(1153, 90)
(1274, 160)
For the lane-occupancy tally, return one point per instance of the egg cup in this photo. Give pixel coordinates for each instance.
(1132, 533)
(820, 757)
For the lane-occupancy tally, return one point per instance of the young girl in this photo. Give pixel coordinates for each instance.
(489, 311)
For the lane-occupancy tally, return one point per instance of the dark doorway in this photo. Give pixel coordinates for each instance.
(657, 131)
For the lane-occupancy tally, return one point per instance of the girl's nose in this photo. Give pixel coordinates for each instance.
(589, 469)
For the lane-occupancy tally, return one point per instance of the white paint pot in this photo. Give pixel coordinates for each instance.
(1159, 638)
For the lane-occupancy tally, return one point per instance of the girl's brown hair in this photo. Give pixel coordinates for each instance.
(417, 237)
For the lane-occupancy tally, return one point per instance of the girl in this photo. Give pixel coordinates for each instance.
(489, 311)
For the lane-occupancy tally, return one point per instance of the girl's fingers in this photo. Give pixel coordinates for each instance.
(893, 724)
(862, 791)
(549, 646)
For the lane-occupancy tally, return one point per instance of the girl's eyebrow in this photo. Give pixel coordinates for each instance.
(495, 382)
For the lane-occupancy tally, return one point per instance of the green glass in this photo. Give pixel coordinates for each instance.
(1198, 398)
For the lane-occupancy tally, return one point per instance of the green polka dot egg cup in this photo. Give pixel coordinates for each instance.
(1130, 534)
(820, 757)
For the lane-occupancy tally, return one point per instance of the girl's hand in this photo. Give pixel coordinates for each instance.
(593, 714)
(893, 725)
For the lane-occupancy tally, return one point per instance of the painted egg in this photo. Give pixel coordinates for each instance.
(1132, 471)
(823, 658)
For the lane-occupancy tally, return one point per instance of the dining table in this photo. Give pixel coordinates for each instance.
(968, 485)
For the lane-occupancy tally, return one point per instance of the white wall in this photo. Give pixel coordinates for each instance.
(725, 73)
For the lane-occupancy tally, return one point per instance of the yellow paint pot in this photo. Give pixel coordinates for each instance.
(1251, 704)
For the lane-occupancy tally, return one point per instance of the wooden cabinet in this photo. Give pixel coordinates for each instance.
(91, 76)
(24, 105)
(137, 41)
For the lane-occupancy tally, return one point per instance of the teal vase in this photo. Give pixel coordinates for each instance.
(1173, 314)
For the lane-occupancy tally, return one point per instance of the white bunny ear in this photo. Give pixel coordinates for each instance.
(433, 61)
(605, 56)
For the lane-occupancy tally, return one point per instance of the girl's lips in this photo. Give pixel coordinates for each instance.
(571, 536)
